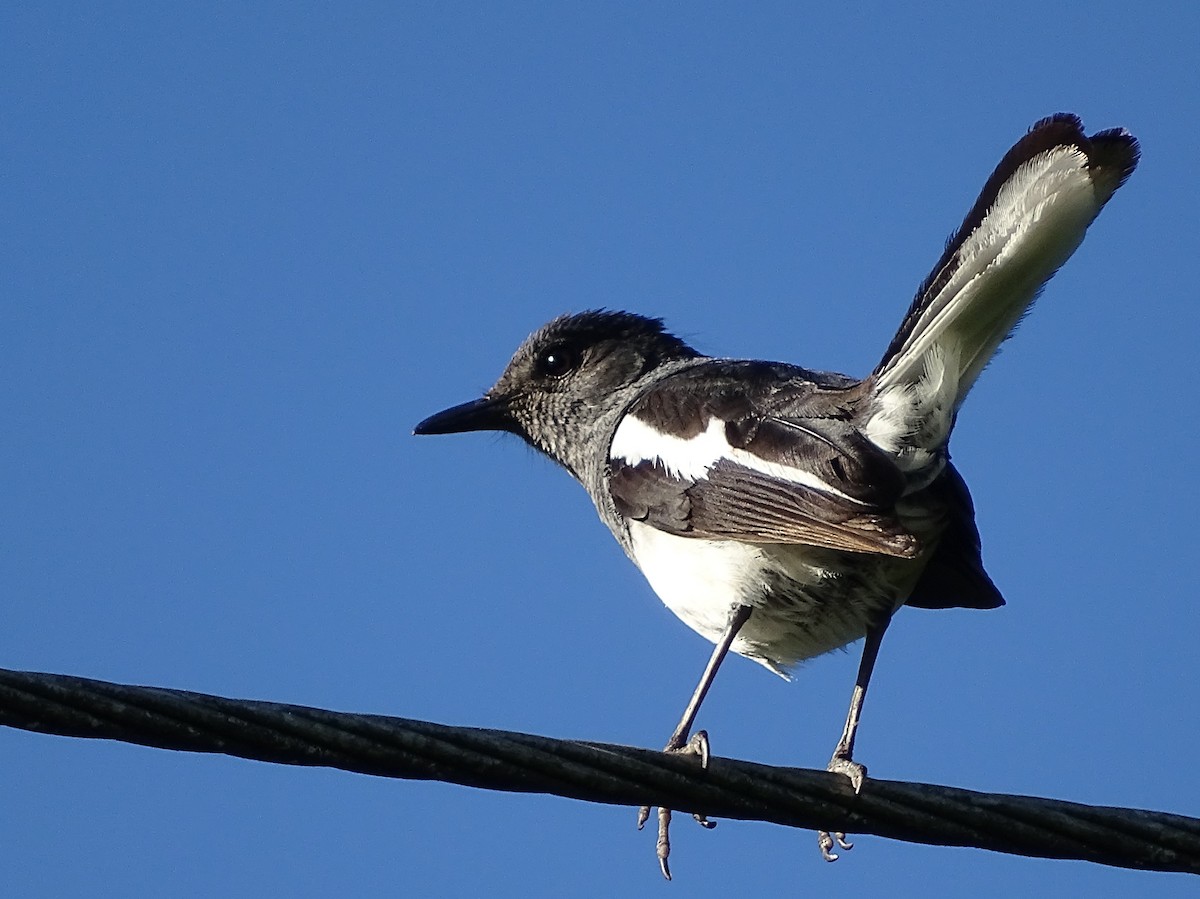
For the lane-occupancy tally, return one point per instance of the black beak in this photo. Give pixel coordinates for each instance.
(486, 414)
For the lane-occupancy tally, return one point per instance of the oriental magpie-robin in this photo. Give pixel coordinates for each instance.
(781, 512)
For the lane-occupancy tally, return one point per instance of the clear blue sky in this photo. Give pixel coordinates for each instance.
(246, 251)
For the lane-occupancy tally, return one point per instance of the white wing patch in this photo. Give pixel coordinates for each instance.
(692, 458)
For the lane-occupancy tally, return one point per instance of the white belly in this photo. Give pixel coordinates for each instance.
(703, 581)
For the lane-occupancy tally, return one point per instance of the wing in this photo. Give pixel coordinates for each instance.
(759, 453)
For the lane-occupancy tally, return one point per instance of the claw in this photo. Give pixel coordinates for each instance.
(698, 745)
(663, 847)
(825, 842)
(857, 773)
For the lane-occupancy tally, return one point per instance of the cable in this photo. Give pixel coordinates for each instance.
(596, 772)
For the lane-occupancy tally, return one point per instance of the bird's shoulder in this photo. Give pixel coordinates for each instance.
(738, 390)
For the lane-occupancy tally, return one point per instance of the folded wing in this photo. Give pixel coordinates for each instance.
(784, 465)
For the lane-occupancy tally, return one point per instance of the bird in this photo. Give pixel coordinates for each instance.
(781, 512)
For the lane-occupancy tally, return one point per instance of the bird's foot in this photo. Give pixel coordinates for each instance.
(825, 840)
(841, 763)
(697, 746)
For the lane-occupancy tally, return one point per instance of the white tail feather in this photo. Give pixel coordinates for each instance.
(992, 272)
(1038, 220)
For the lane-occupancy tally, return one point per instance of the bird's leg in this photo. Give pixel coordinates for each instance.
(843, 761)
(697, 744)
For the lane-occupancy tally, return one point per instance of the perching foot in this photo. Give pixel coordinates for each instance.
(697, 746)
(841, 763)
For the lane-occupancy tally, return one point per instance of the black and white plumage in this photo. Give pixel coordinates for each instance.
(782, 512)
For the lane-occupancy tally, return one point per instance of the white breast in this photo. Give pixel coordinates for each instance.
(701, 581)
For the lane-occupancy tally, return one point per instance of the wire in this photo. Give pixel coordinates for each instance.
(596, 772)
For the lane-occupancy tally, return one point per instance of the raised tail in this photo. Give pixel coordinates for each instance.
(1028, 220)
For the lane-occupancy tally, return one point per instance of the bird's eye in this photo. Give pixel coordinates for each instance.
(557, 361)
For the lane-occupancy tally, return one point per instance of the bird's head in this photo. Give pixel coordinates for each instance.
(567, 381)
